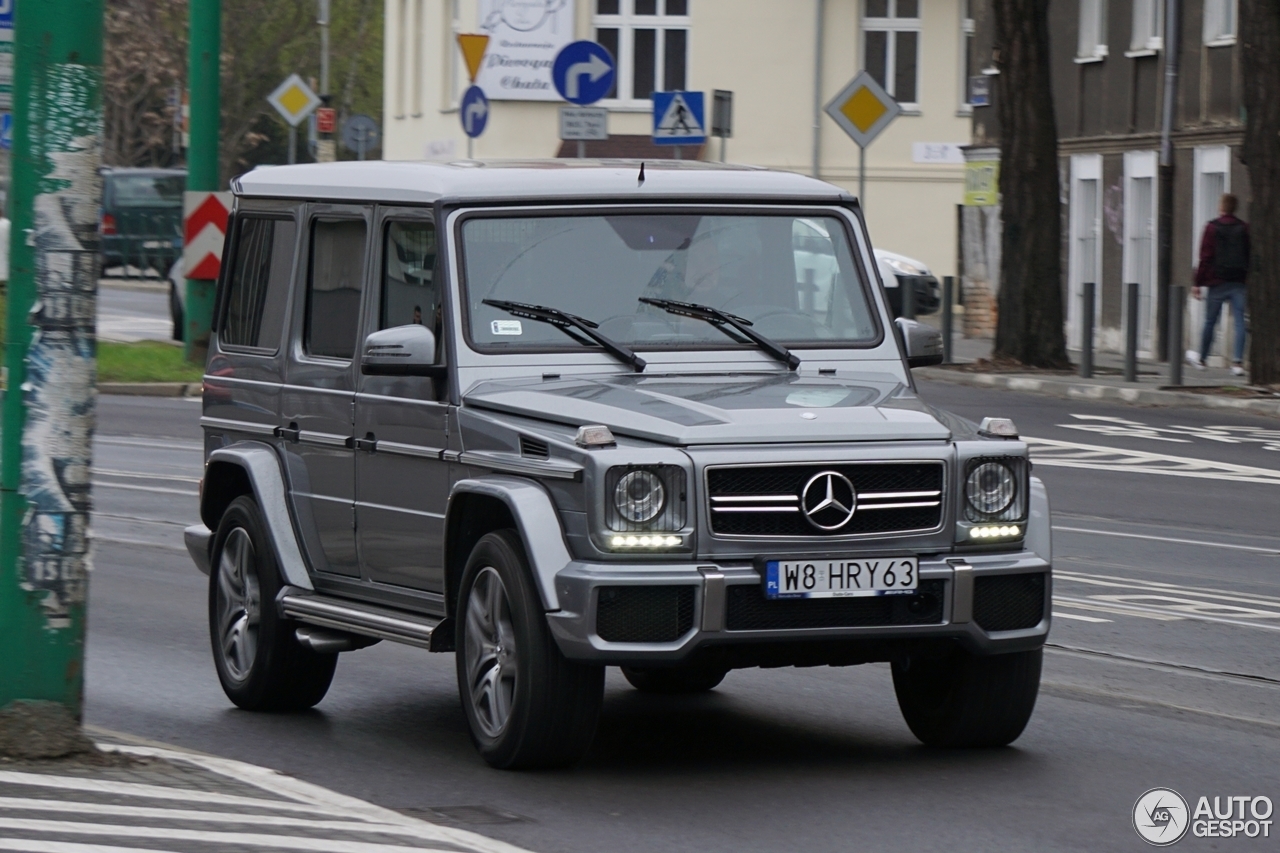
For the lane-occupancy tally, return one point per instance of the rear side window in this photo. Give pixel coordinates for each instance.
(334, 286)
(259, 287)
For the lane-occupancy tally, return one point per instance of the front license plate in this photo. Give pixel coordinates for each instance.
(840, 578)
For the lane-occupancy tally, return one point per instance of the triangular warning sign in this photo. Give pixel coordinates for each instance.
(473, 48)
(678, 121)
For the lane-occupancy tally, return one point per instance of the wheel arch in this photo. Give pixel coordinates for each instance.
(484, 504)
(253, 468)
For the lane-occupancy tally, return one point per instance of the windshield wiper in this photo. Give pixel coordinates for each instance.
(723, 321)
(571, 325)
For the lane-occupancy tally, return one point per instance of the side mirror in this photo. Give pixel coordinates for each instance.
(401, 351)
(922, 342)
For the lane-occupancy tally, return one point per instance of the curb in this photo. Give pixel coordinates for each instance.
(1069, 389)
(151, 389)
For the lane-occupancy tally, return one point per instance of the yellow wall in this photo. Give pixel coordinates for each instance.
(762, 50)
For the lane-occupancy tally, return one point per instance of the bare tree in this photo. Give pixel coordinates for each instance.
(1029, 328)
(1260, 58)
(143, 70)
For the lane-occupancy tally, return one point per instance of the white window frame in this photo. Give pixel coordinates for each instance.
(894, 26)
(1141, 166)
(1084, 167)
(1091, 44)
(1221, 23)
(401, 49)
(625, 22)
(456, 78)
(967, 28)
(1206, 160)
(1147, 35)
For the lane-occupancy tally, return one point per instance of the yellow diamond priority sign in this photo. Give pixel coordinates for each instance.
(863, 109)
(294, 100)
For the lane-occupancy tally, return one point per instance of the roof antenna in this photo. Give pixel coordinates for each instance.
(641, 171)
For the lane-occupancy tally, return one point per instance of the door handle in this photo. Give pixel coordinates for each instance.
(289, 433)
(369, 443)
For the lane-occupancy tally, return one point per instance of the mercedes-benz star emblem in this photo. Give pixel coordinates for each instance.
(829, 500)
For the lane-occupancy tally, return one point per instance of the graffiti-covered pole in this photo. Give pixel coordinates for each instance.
(48, 404)
(203, 52)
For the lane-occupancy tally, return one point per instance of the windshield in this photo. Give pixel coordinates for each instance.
(148, 190)
(793, 277)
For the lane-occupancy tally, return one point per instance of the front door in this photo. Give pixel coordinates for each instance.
(402, 484)
(317, 411)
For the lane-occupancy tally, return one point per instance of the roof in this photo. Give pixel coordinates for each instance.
(408, 182)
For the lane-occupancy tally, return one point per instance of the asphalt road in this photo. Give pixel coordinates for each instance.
(1163, 670)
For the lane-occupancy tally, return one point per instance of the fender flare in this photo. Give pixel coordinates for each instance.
(537, 522)
(1040, 522)
(260, 462)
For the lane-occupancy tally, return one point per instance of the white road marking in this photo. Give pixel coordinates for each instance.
(144, 475)
(1060, 615)
(159, 490)
(152, 792)
(1224, 434)
(34, 845)
(1254, 548)
(249, 839)
(150, 443)
(1121, 606)
(1069, 454)
(1102, 608)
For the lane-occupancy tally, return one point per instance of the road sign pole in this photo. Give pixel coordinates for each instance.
(205, 40)
(582, 150)
(293, 145)
(49, 408)
(862, 177)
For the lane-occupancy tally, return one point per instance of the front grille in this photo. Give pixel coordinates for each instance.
(1008, 602)
(749, 610)
(644, 614)
(769, 501)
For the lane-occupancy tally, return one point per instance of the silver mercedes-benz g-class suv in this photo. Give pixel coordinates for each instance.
(556, 416)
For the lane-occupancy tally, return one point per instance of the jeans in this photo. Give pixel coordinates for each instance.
(1218, 294)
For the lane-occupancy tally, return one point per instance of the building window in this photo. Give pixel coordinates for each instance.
(649, 40)
(1140, 171)
(1085, 260)
(967, 30)
(891, 47)
(1148, 25)
(1093, 30)
(1219, 22)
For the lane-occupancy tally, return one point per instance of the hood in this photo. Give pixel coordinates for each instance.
(724, 408)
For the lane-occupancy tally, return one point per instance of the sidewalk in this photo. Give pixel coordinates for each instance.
(1107, 383)
(134, 796)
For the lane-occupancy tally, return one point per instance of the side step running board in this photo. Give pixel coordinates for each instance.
(368, 620)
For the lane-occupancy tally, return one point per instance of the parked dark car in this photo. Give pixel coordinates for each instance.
(141, 219)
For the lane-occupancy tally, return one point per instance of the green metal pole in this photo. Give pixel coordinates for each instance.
(205, 47)
(49, 402)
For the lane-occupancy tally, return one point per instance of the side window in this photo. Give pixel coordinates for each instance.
(410, 293)
(334, 284)
(259, 284)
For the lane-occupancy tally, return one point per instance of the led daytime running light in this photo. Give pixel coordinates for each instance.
(1000, 531)
(644, 540)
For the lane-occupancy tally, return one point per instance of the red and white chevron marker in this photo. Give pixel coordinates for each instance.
(204, 226)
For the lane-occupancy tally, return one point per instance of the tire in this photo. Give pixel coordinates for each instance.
(527, 706)
(674, 680)
(176, 313)
(260, 663)
(967, 700)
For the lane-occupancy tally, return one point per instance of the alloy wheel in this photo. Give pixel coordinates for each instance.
(239, 604)
(490, 652)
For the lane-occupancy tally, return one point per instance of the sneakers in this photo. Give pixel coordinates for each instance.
(1195, 361)
(1237, 369)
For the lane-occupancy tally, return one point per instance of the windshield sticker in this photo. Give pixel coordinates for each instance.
(506, 327)
(817, 398)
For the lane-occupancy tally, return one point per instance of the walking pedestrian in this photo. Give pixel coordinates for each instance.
(1224, 266)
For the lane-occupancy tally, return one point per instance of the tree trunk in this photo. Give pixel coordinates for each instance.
(1260, 58)
(1029, 327)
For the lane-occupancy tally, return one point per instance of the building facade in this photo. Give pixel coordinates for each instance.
(1108, 64)
(782, 61)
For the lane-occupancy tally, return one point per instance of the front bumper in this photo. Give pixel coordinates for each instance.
(707, 589)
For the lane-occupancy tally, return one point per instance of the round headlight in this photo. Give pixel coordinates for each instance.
(639, 496)
(990, 488)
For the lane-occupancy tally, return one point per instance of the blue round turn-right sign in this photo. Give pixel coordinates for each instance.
(583, 72)
(474, 111)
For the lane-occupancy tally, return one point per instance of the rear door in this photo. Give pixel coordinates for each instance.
(402, 484)
(317, 407)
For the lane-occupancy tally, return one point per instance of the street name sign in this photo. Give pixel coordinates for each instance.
(583, 72)
(679, 118)
(474, 112)
(863, 109)
(293, 99)
(584, 123)
(204, 226)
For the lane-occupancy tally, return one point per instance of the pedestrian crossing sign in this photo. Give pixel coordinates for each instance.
(679, 118)
(863, 109)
